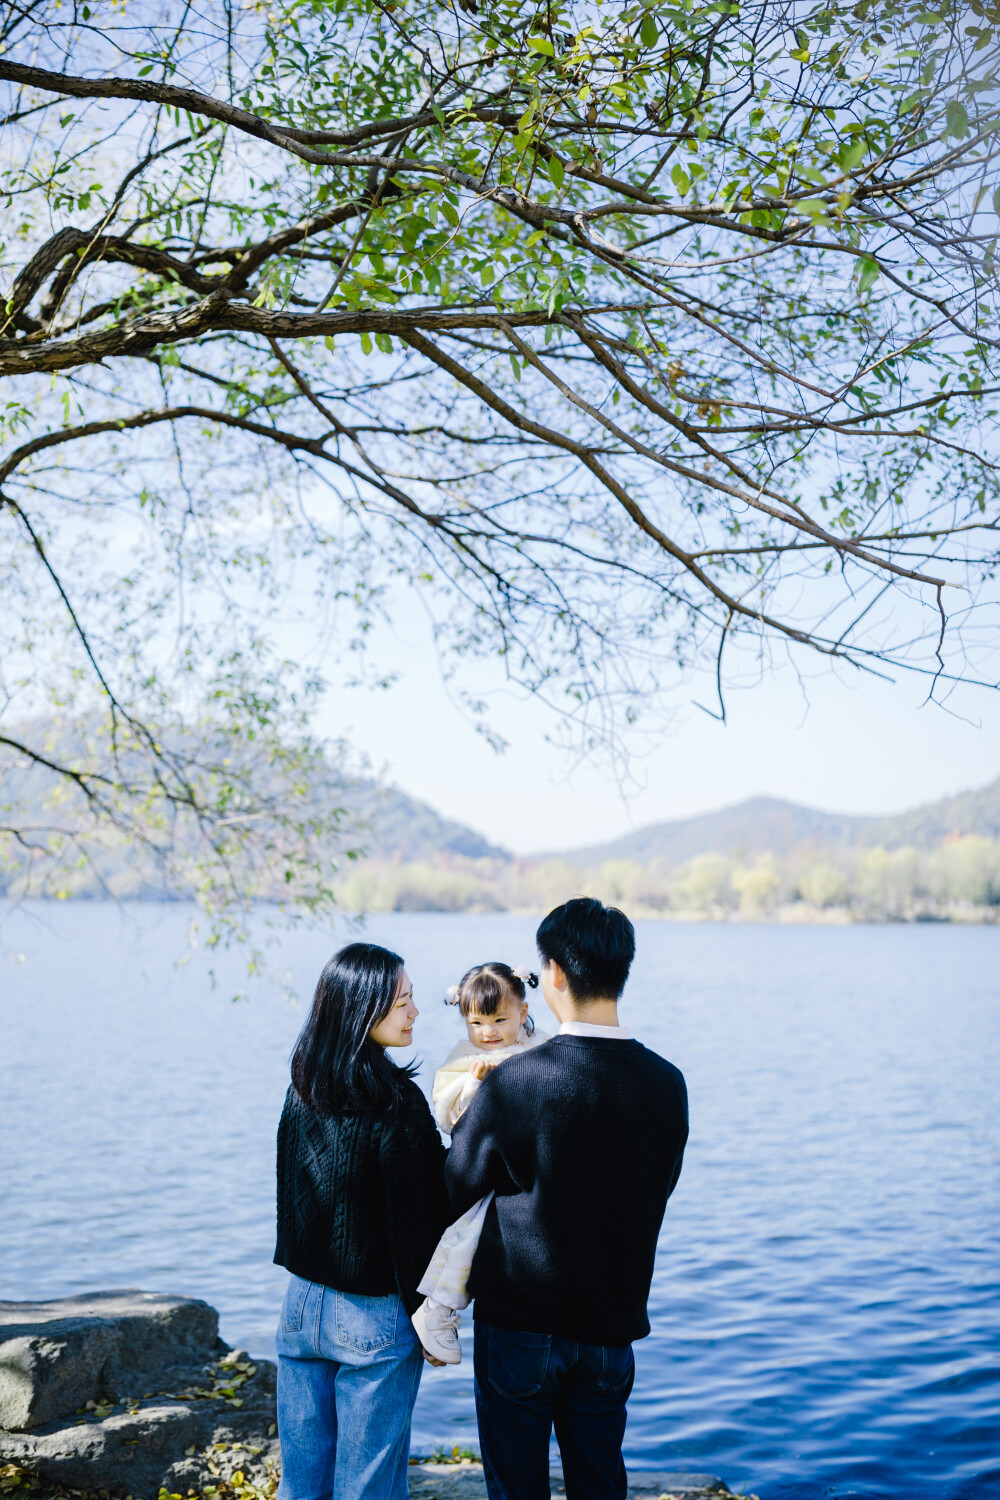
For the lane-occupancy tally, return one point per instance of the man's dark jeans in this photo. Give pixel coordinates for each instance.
(525, 1383)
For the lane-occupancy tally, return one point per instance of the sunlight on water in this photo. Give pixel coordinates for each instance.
(825, 1309)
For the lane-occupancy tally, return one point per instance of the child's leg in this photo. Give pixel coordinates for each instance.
(446, 1279)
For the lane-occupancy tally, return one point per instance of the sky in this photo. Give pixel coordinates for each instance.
(842, 743)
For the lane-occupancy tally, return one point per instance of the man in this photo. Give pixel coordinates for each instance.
(581, 1140)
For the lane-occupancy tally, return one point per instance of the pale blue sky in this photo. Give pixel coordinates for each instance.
(855, 745)
(841, 741)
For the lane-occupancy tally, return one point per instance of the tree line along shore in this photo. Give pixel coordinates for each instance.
(957, 881)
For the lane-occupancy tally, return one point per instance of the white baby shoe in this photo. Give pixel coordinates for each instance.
(437, 1330)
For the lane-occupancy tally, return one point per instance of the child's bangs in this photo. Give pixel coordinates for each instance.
(484, 995)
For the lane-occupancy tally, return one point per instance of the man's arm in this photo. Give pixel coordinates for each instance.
(477, 1163)
(679, 1162)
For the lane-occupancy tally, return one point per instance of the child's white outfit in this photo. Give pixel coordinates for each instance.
(446, 1279)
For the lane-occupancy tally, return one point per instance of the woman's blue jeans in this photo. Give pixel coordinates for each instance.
(348, 1371)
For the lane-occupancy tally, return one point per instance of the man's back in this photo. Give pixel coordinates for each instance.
(581, 1139)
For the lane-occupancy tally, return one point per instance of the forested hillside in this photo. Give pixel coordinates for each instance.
(768, 824)
(61, 850)
(761, 859)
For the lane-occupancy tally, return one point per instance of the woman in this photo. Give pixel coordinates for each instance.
(361, 1205)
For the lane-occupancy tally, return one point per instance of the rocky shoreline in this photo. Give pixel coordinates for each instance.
(134, 1395)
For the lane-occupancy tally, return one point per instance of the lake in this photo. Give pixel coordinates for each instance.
(826, 1317)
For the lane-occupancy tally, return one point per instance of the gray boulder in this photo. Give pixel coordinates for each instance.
(162, 1443)
(128, 1392)
(57, 1356)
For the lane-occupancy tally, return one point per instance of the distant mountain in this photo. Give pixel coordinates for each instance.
(769, 824)
(968, 812)
(398, 825)
(391, 826)
(382, 820)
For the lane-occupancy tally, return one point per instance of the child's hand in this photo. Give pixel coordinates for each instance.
(481, 1067)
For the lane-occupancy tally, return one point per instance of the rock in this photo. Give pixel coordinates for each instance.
(655, 1482)
(57, 1356)
(129, 1392)
(125, 1452)
(464, 1481)
(432, 1481)
(162, 1444)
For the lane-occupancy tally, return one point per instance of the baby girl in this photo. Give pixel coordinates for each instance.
(492, 1001)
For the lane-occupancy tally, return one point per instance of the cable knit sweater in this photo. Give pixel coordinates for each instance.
(361, 1197)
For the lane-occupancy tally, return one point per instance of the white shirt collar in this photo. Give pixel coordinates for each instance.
(587, 1028)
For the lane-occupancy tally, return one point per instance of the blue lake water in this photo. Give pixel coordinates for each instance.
(826, 1308)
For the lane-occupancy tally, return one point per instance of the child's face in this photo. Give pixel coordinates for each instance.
(499, 1029)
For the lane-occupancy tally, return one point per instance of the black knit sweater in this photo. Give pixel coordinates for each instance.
(361, 1197)
(581, 1139)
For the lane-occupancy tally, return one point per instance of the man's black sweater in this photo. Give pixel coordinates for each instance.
(361, 1196)
(581, 1139)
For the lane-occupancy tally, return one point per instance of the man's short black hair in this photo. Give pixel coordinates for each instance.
(593, 944)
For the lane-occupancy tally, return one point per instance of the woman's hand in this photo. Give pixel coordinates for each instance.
(481, 1067)
(437, 1363)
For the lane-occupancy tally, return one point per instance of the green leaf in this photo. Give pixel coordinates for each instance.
(450, 213)
(958, 119)
(366, 343)
(869, 274)
(541, 44)
(556, 172)
(329, 342)
(649, 33)
(800, 54)
(996, 200)
(680, 179)
(815, 208)
(851, 155)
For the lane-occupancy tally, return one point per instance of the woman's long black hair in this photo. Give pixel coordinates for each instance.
(335, 1064)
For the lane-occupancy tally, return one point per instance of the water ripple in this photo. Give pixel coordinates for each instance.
(826, 1309)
